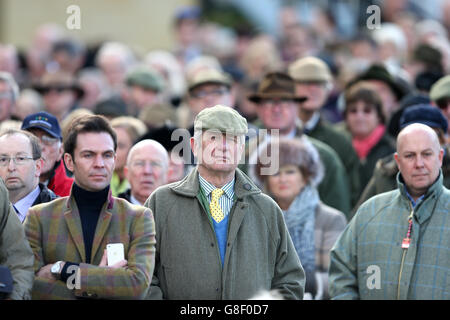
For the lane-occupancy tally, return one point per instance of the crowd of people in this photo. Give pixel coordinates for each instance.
(228, 165)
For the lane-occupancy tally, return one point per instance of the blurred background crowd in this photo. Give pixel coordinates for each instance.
(400, 49)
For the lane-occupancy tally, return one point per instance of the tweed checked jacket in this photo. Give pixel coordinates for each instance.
(371, 247)
(54, 232)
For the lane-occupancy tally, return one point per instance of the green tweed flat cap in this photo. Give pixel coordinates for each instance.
(222, 118)
(146, 78)
(441, 89)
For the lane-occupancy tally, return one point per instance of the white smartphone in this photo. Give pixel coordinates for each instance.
(115, 253)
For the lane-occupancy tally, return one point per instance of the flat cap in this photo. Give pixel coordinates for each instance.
(310, 69)
(209, 75)
(441, 89)
(145, 78)
(221, 118)
(425, 114)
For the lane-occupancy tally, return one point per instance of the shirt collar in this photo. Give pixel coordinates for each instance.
(413, 203)
(209, 187)
(26, 202)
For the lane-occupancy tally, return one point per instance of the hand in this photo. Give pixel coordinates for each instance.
(104, 262)
(45, 271)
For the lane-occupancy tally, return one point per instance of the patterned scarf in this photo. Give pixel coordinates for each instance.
(300, 220)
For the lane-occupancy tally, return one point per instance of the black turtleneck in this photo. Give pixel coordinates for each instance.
(89, 205)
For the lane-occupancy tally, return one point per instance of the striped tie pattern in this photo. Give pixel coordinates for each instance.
(214, 207)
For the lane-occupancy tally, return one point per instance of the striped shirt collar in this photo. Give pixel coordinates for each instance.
(209, 187)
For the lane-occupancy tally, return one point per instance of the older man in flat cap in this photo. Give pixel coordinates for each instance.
(218, 236)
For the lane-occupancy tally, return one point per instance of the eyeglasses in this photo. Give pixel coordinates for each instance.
(19, 160)
(58, 89)
(48, 141)
(200, 94)
(273, 102)
(5, 96)
(141, 164)
(365, 110)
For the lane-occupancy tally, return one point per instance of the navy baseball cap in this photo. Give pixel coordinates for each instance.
(44, 121)
(425, 114)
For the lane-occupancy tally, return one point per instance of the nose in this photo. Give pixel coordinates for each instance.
(11, 165)
(148, 168)
(99, 162)
(419, 162)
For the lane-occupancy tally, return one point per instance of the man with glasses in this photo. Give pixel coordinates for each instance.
(206, 88)
(9, 92)
(440, 95)
(53, 174)
(20, 168)
(146, 170)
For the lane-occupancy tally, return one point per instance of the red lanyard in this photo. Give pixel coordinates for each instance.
(406, 241)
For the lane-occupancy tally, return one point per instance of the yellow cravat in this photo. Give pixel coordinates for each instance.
(214, 207)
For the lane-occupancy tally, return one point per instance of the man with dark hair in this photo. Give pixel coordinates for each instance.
(53, 174)
(69, 235)
(20, 168)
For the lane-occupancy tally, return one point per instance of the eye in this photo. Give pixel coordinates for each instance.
(21, 159)
(3, 160)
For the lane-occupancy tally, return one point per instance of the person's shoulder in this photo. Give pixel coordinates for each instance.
(49, 208)
(330, 213)
(376, 205)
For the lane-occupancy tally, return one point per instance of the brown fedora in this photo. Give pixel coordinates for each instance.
(276, 85)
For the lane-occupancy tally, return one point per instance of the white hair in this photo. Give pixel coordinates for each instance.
(155, 144)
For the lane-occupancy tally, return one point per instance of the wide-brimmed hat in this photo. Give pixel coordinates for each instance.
(379, 72)
(59, 80)
(276, 85)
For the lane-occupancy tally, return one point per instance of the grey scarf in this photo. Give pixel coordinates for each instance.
(300, 220)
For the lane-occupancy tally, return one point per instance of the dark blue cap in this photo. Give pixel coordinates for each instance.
(426, 114)
(44, 121)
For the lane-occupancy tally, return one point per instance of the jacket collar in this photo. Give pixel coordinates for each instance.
(190, 185)
(433, 192)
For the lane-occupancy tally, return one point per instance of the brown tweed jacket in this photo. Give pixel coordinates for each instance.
(54, 232)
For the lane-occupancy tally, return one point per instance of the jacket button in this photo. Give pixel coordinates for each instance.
(212, 244)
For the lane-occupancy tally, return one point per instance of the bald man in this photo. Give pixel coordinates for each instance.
(146, 170)
(397, 245)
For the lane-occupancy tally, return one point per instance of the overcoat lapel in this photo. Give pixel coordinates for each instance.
(72, 217)
(102, 225)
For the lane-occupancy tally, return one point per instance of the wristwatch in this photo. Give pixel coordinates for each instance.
(56, 269)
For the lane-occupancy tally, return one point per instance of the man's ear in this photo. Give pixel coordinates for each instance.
(68, 161)
(39, 164)
(396, 159)
(192, 141)
(125, 172)
(60, 152)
